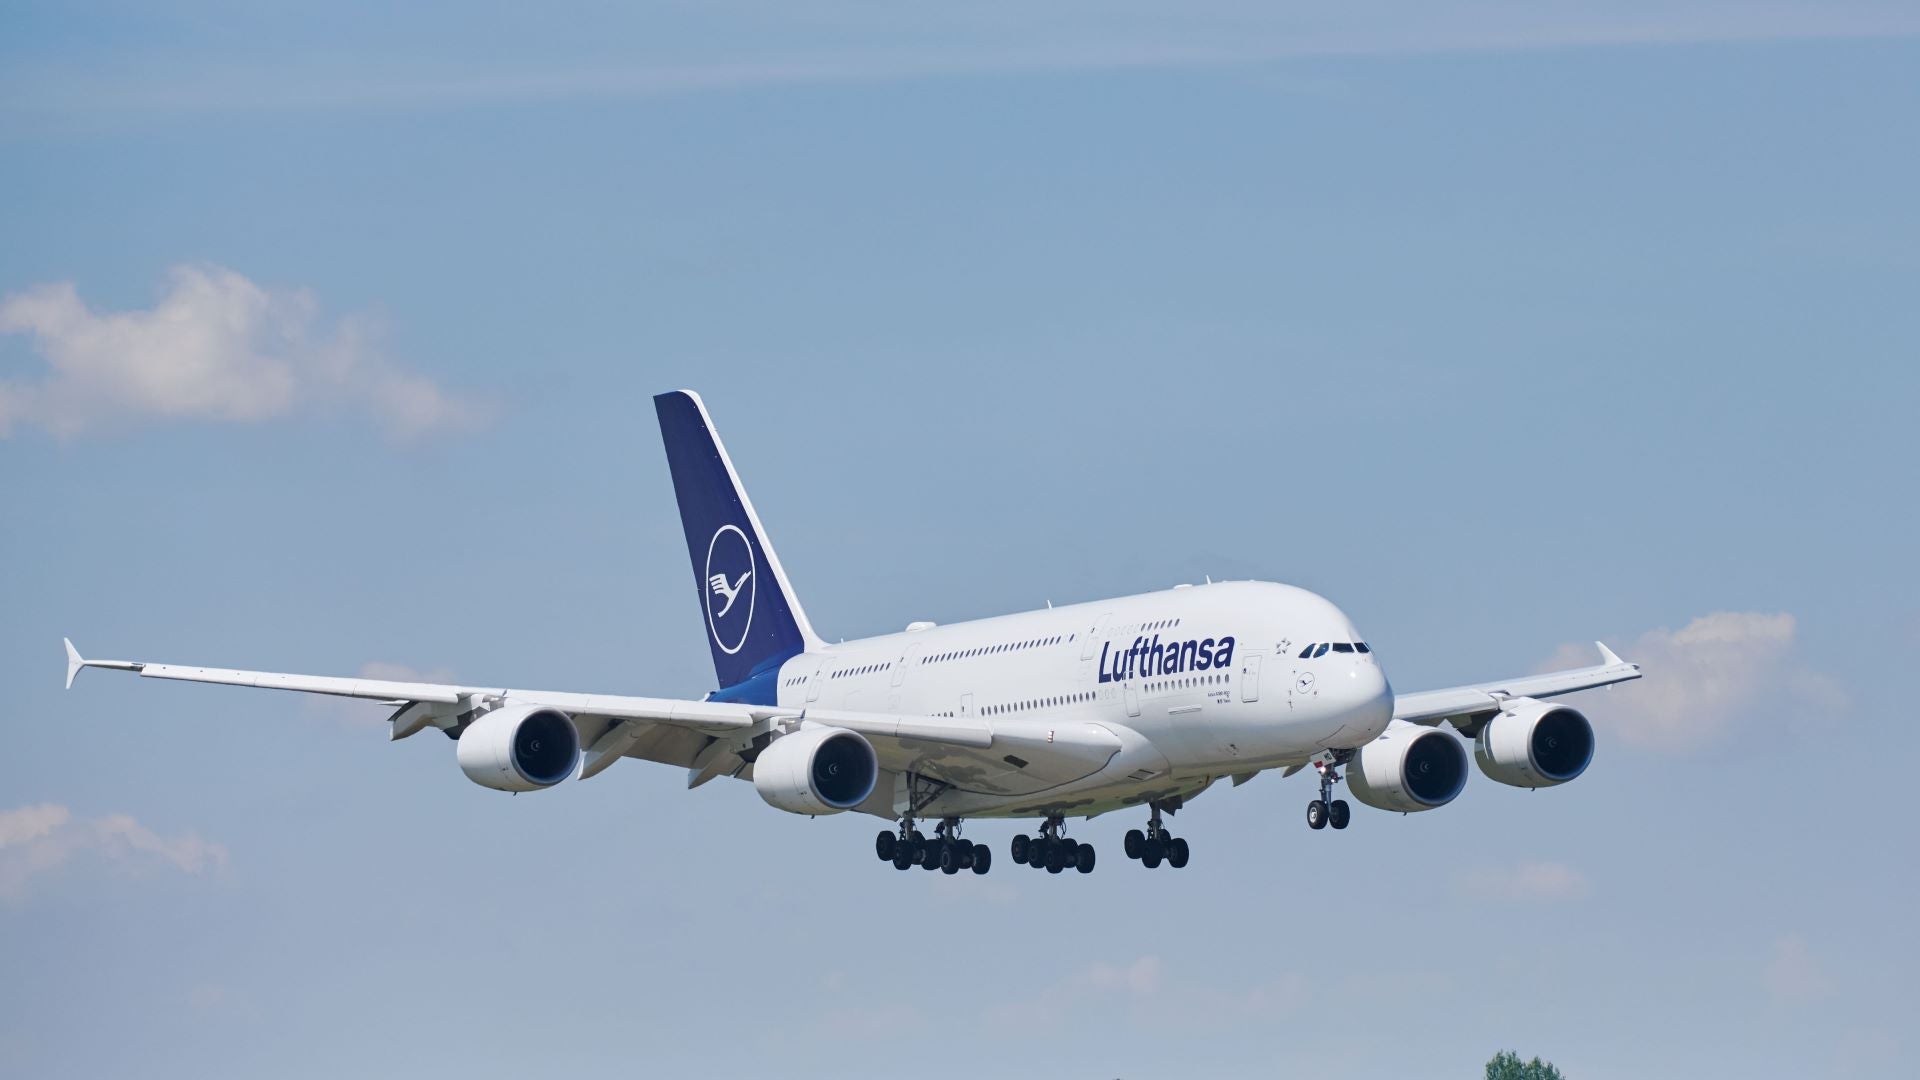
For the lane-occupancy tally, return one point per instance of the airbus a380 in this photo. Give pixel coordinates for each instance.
(1138, 703)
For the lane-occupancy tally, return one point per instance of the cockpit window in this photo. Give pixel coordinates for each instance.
(1306, 652)
(1320, 650)
(1361, 646)
(1342, 646)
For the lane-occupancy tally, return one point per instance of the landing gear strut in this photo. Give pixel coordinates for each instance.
(1156, 844)
(1327, 810)
(1052, 852)
(947, 852)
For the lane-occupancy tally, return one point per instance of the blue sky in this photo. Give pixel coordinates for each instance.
(326, 342)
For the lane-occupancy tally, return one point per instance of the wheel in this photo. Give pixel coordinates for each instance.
(883, 846)
(930, 859)
(1083, 859)
(902, 858)
(982, 859)
(1338, 814)
(967, 852)
(1316, 815)
(1136, 841)
(1176, 853)
(916, 837)
(951, 857)
(1037, 854)
(1056, 858)
(1019, 849)
(1150, 855)
(1072, 848)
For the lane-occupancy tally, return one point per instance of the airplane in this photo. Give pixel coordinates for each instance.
(1075, 711)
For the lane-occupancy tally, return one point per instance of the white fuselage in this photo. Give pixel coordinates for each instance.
(1210, 676)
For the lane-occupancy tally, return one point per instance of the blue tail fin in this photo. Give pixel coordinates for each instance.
(753, 621)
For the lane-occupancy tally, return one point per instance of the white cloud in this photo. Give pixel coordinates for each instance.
(1524, 882)
(37, 840)
(216, 347)
(1795, 974)
(1142, 988)
(1703, 679)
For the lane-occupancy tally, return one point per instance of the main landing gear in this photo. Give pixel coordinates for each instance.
(1327, 810)
(947, 852)
(1052, 852)
(1156, 844)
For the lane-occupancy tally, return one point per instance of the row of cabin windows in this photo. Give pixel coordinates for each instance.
(1185, 682)
(1322, 648)
(1162, 624)
(864, 669)
(989, 650)
(1038, 703)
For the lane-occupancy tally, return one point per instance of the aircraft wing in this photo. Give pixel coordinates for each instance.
(705, 737)
(1463, 704)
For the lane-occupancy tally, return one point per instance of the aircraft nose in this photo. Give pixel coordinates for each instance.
(1369, 699)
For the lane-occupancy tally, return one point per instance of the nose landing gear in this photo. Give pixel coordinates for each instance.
(1327, 810)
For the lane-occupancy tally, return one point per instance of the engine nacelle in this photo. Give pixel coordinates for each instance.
(816, 770)
(1533, 744)
(1408, 768)
(519, 748)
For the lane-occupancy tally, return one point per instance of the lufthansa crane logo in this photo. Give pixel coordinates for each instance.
(730, 585)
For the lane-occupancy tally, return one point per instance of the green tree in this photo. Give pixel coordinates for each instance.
(1506, 1065)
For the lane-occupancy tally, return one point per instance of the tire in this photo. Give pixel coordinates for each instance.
(931, 860)
(1072, 848)
(1339, 814)
(901, 859)
(1083, 859)
(1176, 853)
(1135, 843)
(1316, 815)
(1037, 855)
(1150, 855)
(1021, 845)
(982, 859)
(1056, 858)
(883, 846)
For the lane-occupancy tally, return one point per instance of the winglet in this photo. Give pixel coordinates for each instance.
(1612, 658)
(74, 662)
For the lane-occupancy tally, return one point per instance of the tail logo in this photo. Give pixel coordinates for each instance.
(730, 576)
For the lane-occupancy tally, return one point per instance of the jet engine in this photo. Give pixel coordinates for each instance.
(1532, 744)
(519, 748)
(1408, 768)
(816, 770)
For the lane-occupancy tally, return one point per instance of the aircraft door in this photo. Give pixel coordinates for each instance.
(1250, 677)
(966, 704)
(1091, 639)
(1133, 699)
(813, 684)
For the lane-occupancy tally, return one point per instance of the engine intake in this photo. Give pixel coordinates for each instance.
(816, 770)
(519, 748)
(1533, 744)
(1408, 768)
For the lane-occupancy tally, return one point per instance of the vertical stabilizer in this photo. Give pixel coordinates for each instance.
(752, 620)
